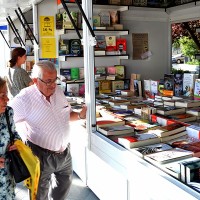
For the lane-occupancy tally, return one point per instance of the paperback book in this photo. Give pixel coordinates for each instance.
(185, 117)
(138, 140)
(167, 156)
(187, 103)
(116, 130)
(169, 110)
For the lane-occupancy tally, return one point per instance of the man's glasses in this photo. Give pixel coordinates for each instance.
(49, 83)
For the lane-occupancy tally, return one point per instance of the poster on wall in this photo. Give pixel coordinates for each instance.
(48, 47)
(140, 46)
(46, 26)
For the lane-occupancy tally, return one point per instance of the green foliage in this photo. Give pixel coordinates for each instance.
(188, 47)
(179, 71)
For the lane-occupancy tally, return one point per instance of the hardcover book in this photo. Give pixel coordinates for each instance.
(185, 117)
(147, 88)
(116, 130)
(145, 150)
(102, 122)
(66, 73)
(194, 111)
(154, 88)
(115, 102)
(101, 43)
(171, 129)
(138, 140)
(193, 131)
(175, 136)
(187, 103)
(117, 85)
(75, 47)
(105, 86)
(167, 156)
(73, 89)
(170, 110)
(110, 43)
(74, 73)
(63, 48)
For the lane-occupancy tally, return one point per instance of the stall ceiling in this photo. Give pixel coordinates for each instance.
(8, 7)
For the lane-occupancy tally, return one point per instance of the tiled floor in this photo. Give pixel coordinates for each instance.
(78, 191)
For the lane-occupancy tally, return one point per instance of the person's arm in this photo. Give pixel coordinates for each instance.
(78, 115)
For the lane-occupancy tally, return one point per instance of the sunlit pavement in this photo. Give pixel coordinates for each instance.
(192, 68)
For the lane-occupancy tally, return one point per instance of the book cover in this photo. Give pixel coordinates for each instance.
(147, 88)
(118, 102)
(96, 21)
(59, 21)
(72, 89)
(117, 85)
(116, 130)
(111, 70)
(169, 110)
(169, 102)
(121, 45)
(120, 71)
(137, 87)
(171, 129)
(81, 73)
(154, 88)
(105, 86)
(134, 77)
(75, 47)
(145, 150)
(101, 43)
(188, 84)
(197, 89)
(67, 22)
(168, 85)
(127, 84)
(102, 122)
(66, 73)
(138, 140)
(74, 73)
(178, 84)
(126, 93)
(63, 48)
(100, 70)
(111, 43)
(168, 155)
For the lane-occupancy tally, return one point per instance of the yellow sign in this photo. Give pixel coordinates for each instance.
(48, 47)
(46, 26)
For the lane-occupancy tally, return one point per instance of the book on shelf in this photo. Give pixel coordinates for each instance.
(161, 119)
(138, 140)
(148, 149)
(197, 89)
(73, 89)
(59, 21)
(167, 156)
(188, 84)
(100, 70)
(175, 136)
(115, 102)
(126, 93)
(134, 77)
(169, 102)
(74, 73)
(63, 47)
(102, 122)
(178, 84)
(154, 87)
(67, 24)
(105, 86)
(120, 71)
(66, 73)
(75, 47)
(131, 106)
(137, 87)
(121, 45)
(187, 103)
(171, 129)
(110, 43)
(116, 130)
(117, 85)
(168, 84)
(100, 43)
(169, 110)
(99, 52)
(111, 70)
(147, 88)
(185, 117)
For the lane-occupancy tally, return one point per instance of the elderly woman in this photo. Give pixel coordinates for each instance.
(7, 183)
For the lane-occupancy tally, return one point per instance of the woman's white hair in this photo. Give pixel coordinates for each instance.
(40, 66)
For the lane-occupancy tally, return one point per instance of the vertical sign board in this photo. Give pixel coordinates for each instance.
(140, 45)
(48, 41)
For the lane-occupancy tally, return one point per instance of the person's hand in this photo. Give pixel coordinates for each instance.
(2, 160)
(82, 114)
(12, 147)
